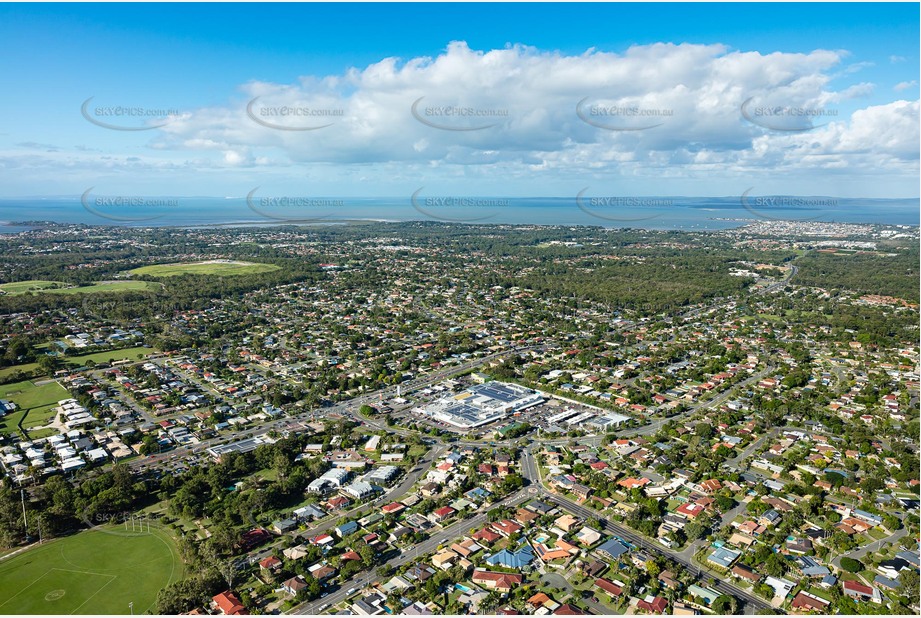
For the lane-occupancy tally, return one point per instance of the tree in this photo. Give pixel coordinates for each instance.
(851, 565)
(724, 503)
(724, 605)
(48, 364)
(908, 584)
(149, 444)
(366, 553)
(694, 531)
(704, 430)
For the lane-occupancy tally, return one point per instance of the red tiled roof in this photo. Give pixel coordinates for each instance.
(656, 606)
(852, 586)
(502, 580)
(804, 601)
(269, 562)
(229, 603)
(609, 587)
(568, 610)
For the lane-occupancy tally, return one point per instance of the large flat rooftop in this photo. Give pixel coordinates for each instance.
(481, 404)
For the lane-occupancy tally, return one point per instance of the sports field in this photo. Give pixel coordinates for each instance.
(91, 572)
(35, 401)
(217, 268)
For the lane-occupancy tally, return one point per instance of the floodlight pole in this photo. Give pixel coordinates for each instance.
(25, 521)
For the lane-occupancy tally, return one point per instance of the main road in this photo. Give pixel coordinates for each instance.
(431, 544)
(346, 408)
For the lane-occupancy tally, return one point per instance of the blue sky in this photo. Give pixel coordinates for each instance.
(525, 68)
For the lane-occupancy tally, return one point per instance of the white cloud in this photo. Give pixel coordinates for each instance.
(522, 103)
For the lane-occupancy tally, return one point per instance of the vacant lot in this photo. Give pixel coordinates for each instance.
(220, 269)
(93, 572)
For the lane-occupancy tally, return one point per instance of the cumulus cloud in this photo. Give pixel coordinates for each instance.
(655, 111)
(653, 104)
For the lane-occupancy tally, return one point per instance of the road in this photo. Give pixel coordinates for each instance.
(431, 544)
(860, 552)
(782, 283)
(751, 602)
(531, 472)
(394, 493)
(347, 408)
(710, 403)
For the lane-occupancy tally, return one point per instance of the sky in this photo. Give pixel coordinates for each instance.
(518, 100)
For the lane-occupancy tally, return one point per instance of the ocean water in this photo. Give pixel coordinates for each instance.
(660, 213)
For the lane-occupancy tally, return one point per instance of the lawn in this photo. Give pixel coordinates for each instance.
(99, 357)
(93, 572)
(877, 534)
(220, 269)
(39, 417)
(416, 451)
(9, 424)
(111, 355)
(28, 394)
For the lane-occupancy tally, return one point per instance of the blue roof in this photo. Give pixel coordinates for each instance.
(706, 594)
(866, 515)
(512, 560)
(815, 571)
(909, 556)
(724, 556)
(885, 582)
(613, 548)
(348, 527)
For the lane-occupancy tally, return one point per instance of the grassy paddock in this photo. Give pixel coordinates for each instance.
(220, 269)
(34, 285)
(26, 368)
(93, 572)
(111, 355)
(109, 286)
(57, 287)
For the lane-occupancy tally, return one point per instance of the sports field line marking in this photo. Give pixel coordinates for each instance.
(34, 581)
(82, 572)
(42, 576)
(172, 568)
(114, 577)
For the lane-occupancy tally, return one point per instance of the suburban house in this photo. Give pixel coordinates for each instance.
(294, 585)
(228, 603)
(503, 582)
